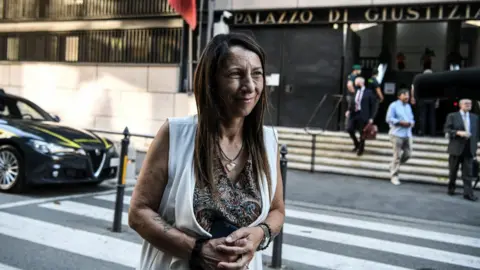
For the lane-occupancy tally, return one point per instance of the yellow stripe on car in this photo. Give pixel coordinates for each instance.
(87, 140)
(65, 141)
(107, 145)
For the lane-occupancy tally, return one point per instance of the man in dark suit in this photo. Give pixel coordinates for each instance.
(462, 130)
(361, 111)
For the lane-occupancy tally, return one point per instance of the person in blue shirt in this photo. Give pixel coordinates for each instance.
(400, 118)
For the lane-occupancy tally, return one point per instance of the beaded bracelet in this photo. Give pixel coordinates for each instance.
(269, 234)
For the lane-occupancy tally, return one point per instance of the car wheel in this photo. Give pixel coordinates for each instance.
(11, 169)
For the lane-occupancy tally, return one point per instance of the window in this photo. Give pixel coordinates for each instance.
(18, 109)
(71, 49)
(13, 44)
(4, 111)
(156, 46)
(73, 2)
(28, 112)
(17, 10)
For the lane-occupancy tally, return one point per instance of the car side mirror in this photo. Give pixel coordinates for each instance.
(56, 118)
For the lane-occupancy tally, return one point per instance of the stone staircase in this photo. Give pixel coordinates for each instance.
(327, 151)
(332, 154)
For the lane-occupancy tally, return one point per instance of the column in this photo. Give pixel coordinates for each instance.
(389, 44)
(476, 49)
(453, 39)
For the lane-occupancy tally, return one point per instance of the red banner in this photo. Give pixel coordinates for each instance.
(187, 9)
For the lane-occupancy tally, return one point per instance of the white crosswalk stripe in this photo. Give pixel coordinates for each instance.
(112, 249)
(7, 267)
(382, 245)
(306, 256)
(361, 224)
(76, 241)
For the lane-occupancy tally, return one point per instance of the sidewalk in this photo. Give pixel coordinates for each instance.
(414, 200)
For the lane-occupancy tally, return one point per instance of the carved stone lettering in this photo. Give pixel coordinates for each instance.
(345, 15)
(270, 18)
(258, 20)
(384, 14)
(371, 15)
(293, 18)
(248, 19)
(454, 13)
(334, 15)
(428, 13)
(397, 14)
(238, 18)
(433, 12)
(283, 17)
(440, 12)
(412, 14)
(477, 15)
(306, 16)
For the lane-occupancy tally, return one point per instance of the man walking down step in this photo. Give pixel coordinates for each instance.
(462, 130)
(400, 119)
(361, 111)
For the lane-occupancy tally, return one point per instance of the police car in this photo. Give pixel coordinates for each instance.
(36, 149)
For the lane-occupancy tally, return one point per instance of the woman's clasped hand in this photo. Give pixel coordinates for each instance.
(233, 252)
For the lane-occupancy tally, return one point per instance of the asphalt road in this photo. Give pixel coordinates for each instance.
(333, 222)
(423, 201)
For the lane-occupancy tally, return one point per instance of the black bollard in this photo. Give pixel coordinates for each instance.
(117, 217)
(278, 241)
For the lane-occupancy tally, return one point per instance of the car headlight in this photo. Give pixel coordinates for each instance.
(52, 148)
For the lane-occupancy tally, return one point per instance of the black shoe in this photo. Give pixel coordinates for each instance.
(451, 192)
(472, 198)
(355, 149)
(360, 151)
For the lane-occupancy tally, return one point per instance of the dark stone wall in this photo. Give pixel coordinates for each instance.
(308, 60)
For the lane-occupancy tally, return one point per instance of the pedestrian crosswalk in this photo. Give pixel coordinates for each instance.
(6, 267)
(312, 239)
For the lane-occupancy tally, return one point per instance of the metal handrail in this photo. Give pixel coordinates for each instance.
(315, 112)
(314, 134)
(320, 104)
(122, 133)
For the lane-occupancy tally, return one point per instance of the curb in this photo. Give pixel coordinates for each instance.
(266, 266)
(129, 182)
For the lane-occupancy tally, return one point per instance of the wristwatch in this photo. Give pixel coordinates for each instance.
(267, 236)
(193, 262)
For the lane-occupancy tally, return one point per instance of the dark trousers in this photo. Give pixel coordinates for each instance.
(426, 117)
(349, 98)
(356, 123)
(466, 159)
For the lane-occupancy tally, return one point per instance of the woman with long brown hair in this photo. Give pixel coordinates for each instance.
(209, 195)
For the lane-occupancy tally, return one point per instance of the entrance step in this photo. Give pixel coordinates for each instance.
(331, 152)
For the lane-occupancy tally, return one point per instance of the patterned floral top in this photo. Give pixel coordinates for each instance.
(240, 203)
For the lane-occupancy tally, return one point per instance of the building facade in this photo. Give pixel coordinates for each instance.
(311, 46)
(110, 64)
(97, 64)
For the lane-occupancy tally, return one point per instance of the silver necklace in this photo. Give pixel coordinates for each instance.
(231, 162)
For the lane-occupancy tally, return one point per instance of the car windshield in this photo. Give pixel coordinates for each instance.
(18, 109)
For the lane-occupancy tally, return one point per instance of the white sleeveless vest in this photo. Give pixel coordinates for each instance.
(176, 206)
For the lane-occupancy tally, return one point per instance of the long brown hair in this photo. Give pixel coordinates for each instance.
(209, 112)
